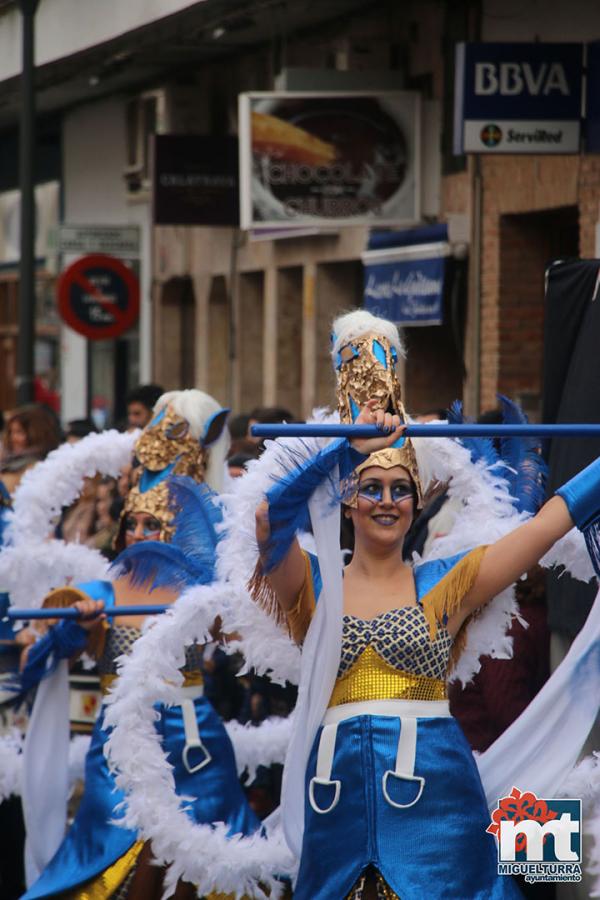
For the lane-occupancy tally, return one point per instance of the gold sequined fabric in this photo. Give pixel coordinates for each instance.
(169, 441)
(384, 891)
(107, 884)
(154, 502)
(367, 371)
(371, 678)
(391, 657)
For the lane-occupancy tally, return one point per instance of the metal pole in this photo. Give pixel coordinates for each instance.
(25, 359)
(431, 430)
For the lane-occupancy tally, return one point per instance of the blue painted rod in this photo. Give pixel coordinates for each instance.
(69, 612)
(415, 431)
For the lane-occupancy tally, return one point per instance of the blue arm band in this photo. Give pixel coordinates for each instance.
(582, 495)
(61, 642)
(288, 498)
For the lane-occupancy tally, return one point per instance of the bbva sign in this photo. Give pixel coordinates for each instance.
(510, 79)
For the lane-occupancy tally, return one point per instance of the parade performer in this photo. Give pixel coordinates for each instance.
(382, 796)
(170, 521)
(302, 474)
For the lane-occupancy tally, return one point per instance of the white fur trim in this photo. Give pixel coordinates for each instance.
(57, 481)
(31, 563)
(352, 325)
(259, 745)
(11, 761)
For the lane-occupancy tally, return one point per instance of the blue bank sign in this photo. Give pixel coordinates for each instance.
(518, 98)
(406, 284)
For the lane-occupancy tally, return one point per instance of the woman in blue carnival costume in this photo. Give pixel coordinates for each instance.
(382, 797)
(169, 528)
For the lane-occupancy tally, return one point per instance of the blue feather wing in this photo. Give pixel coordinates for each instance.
(479, 448)
(527, 469)
(190, 557)
(154, 564)
(197, 518)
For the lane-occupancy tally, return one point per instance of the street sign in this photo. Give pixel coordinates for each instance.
(119, 240)
(518, 98)
(98, 297)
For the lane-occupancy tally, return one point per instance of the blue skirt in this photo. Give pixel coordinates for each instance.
(92, 844)
(436, 848)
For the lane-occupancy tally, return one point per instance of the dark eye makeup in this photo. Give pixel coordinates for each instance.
(373, 490)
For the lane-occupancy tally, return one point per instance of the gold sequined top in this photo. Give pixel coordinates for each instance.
(404, 653)
(391, 657)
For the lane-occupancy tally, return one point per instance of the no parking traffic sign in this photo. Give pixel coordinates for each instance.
(98, 297)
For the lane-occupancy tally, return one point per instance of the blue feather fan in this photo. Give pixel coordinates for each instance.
(190, 557)
(519, 460)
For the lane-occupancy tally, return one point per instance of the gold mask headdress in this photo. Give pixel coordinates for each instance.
(366, 370)
(154, 502)
(167, 441)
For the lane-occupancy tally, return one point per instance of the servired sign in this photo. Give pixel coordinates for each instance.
(518, 98)
(98, 297)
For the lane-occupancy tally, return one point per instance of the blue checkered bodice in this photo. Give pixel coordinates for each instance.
(401, 638)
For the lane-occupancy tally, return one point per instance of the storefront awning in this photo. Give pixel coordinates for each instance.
(404, 275)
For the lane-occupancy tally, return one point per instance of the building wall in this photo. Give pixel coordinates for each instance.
(530, 207)
(94, 142)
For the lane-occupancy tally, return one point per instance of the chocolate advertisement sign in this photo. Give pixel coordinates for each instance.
(329, 158)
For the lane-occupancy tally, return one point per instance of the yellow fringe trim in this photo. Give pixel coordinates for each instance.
(263, 594)
(104, 885)
(446, 597)
(299, 616)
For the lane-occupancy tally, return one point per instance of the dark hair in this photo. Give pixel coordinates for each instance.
(40, 425)
(238, 426)
(146, 394)
(266, 414)
(80, 428)
(245, 446)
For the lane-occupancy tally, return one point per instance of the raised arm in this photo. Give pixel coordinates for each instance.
(286, 579)
(513, 555)
(576, 503)
(287, 575)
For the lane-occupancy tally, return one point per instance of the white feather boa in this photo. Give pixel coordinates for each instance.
(11, 761)
(31, 563)
(259, 745)
(201, 854)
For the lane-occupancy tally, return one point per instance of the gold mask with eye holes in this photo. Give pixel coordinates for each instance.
(154, 502)
(366, 370)
(166, 440)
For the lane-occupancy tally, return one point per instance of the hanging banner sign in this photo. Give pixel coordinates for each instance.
(406, 285)
(518, 98)
(98, 297)
(195, 180)
(329, 158)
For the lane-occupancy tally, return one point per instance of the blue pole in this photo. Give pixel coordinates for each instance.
(69, 612)
(430, 430)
